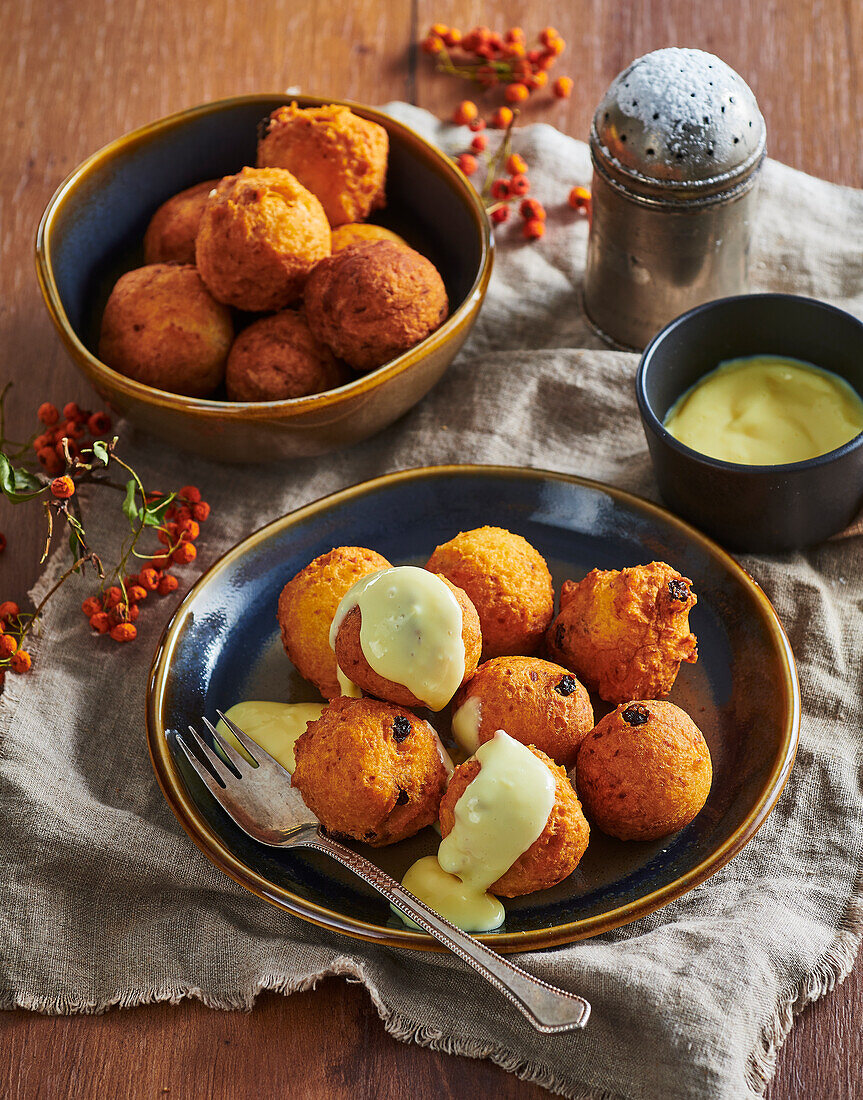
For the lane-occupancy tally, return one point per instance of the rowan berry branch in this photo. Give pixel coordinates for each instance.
(490, 59)
(68, 463)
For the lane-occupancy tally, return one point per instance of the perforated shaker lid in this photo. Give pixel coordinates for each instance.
(679, 120)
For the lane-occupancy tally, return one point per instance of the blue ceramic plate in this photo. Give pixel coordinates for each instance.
(223, 645)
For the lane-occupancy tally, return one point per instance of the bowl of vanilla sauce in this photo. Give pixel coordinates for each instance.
(753, 411)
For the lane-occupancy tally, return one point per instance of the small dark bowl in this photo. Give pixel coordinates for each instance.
(754, 508)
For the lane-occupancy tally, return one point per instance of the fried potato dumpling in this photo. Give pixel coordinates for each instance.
(508, 582)
(170, 236)
(625, 632)
(360, 232)
(261, 233)
(308, 604)
(557, 850)
(644, 772)
(370, 770)
(352, 661)
(277, 358)
(339, 156)
(162, 327)
(370, 302)
(536, 702)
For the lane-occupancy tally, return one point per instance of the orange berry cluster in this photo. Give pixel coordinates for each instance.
(70, 461)
(467, 114)
(73, 425)
(115, 610)
(489, 59)
(503, 191)
(506, 192)
(11, 655)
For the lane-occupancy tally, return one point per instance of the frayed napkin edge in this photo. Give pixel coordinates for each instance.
(834, 966)
(399, 1027)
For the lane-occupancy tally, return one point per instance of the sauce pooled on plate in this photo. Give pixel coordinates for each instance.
(276, 727)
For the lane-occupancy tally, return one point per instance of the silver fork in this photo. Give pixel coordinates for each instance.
(261, 800)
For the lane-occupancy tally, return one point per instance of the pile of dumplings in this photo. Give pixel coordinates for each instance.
(373, 767)
(269, 282)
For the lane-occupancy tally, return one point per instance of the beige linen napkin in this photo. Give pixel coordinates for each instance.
(106, 902)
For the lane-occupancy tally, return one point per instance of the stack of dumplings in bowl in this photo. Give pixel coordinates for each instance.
(270, 284)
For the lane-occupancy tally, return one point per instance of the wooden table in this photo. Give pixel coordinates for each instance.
(74, 76)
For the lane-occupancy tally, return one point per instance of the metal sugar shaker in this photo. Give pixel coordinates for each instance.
(676, 144)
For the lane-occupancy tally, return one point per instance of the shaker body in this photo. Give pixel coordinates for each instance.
(650, 261)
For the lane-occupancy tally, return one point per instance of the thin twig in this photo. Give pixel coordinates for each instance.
(38, 611)
(50, 513)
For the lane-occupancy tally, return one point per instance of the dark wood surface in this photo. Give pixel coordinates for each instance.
(74, 76)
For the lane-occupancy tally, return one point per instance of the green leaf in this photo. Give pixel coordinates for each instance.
(76, 529)
(155, 511)
(25, 482)
(130, 509)
(76, 537)
(17, 483)
(100, 451)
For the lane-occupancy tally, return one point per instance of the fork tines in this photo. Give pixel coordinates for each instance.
(213, 777)
(252, 748)
(266, 766)
(222, 768)
(219, 768)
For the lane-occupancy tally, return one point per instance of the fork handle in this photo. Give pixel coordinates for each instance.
(549, 1009)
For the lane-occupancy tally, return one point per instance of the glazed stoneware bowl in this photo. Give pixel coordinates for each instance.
(753, 508)
(223, 645)
(92, 231)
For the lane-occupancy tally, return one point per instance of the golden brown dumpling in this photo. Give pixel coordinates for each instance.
(370, 770)
(625, 632)
(260, 235)
(170, 236)
(277, 358)
(308, 604)
(162, 327)
(371, 302)
(554, 854)
(645, 771)
(360, 232)
(337, 155)
(509, 583)
(535, 701)
(352, 661)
